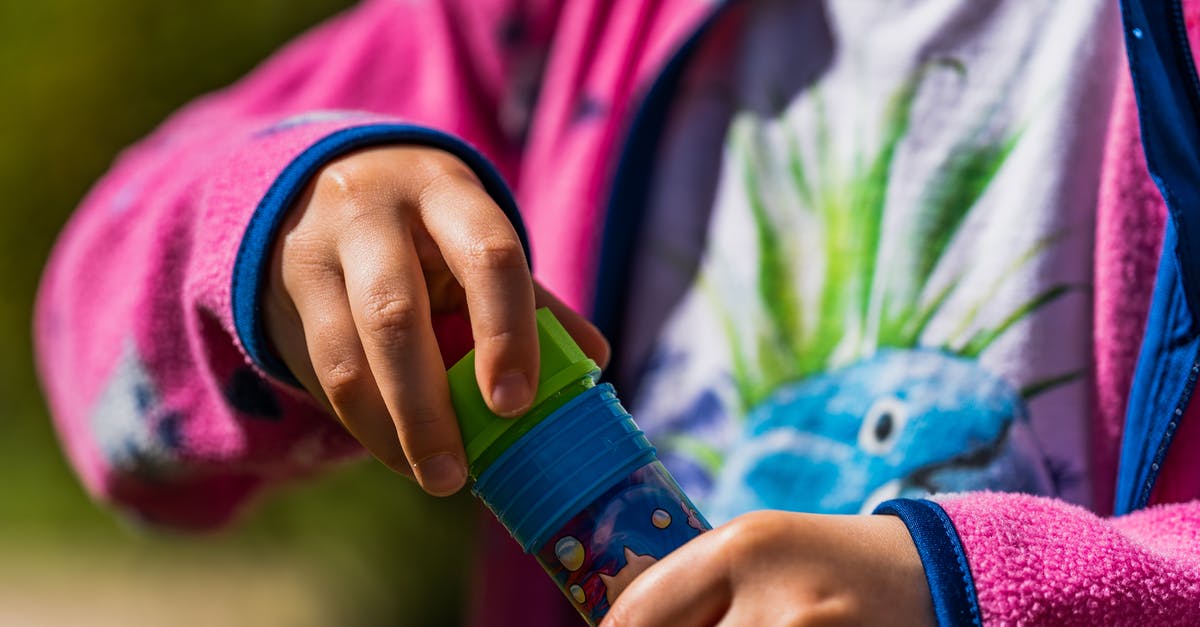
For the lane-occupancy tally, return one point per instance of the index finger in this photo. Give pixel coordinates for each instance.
(390, 307)
(484, 254)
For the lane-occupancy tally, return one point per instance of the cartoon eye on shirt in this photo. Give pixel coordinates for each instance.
(882, 425)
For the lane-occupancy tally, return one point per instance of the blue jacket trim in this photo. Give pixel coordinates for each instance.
(1168, 97)
(1163, 382)
(941, 551)
(254, 252)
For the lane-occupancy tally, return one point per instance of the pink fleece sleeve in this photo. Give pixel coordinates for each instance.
(1039, 561)
(153, 392)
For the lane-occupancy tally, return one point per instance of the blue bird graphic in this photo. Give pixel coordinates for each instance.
(901, 423)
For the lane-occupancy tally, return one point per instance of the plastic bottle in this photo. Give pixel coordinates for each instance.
(574, 480)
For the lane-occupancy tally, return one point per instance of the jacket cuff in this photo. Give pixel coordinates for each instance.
(254, 252)
(942, 555)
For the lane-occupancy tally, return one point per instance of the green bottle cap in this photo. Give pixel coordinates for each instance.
(565, 372)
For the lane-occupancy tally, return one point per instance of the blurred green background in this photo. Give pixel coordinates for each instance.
(79, 81)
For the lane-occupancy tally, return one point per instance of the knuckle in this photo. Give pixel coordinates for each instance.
(824, 613)
(305, 256)
(344, 178)
(799, 617)
(416, 422)
(440, 176)
(340, 380)
(737, 533)
(360, 216)
(303, 245)
(387, 314)
(496, 253)
(745, 536)
(354, 194)
(498, 346)
(438, 167)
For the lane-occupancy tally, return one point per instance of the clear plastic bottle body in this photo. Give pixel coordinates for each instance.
(585, 493)
(574, 480)
(636, 522)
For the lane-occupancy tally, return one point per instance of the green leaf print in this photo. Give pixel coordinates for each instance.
(985, 337)
(854, 302)
(775, 280)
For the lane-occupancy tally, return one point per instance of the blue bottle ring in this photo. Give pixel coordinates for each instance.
(563, 464)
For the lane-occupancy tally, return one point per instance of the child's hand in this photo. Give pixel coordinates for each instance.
(780, 568)
(383, 240)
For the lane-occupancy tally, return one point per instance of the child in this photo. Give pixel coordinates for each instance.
(846, 255)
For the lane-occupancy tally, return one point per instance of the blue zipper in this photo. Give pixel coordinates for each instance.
(1168, 96)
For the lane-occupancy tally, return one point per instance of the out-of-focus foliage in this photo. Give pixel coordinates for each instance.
(78, 81)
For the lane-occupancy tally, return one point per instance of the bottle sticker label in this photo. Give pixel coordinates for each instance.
(632, 525)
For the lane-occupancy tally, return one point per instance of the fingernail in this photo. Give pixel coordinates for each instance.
(511, 395)
(441, 475)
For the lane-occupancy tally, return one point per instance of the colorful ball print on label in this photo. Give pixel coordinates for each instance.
(600, 551)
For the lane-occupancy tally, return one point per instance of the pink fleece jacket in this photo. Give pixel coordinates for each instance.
(169, 415)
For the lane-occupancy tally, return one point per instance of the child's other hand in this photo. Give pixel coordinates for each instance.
(780, 568)
(382, 241)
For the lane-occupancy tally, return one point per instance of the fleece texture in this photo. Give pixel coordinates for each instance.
(167, 417)
(1038, 561)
